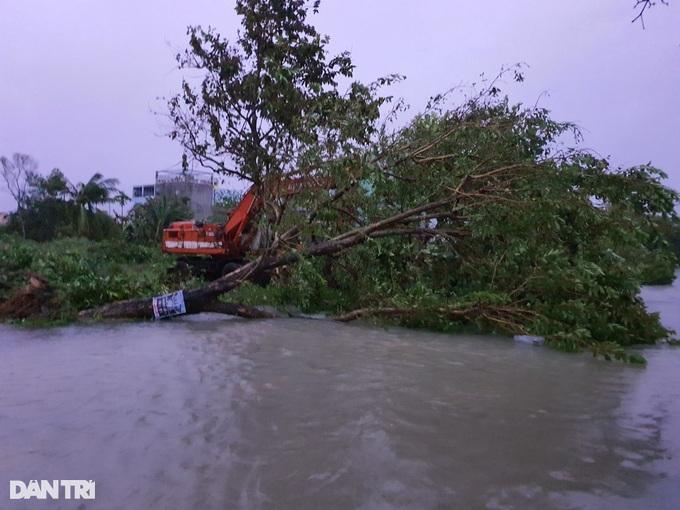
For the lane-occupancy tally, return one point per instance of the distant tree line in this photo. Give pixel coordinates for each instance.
(50, 206)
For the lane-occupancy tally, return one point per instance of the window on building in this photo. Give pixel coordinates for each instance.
(148, 191)
(137, 191)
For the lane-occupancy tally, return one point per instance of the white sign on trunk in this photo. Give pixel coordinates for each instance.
(169, 305)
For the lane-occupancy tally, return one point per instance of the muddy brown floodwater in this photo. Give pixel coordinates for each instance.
(212, 413)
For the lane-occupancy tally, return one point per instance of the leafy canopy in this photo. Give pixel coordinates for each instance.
(542, 239)
(270, 103)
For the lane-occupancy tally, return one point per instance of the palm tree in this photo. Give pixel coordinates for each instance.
(86, 196)
(55, 185)
(148, 220)
(163, 211)
(96, 191)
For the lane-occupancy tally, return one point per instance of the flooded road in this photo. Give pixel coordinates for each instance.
(214, 413)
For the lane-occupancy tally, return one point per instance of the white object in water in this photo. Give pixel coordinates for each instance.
(528, 339)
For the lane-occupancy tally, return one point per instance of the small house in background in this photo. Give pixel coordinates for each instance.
(195, 186)
(4, 219)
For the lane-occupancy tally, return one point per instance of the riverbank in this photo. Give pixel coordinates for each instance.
(50, 283)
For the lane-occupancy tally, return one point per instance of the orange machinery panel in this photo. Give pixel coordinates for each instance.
(211, 239)
(187, 238)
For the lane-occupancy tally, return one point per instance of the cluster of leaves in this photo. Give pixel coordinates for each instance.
(303, 287)
(663, 242)
(269, 102)
(569, 240)
(145, 223)
(84, 273)
(225, 201)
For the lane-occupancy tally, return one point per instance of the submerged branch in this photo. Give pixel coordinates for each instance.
(508, 318)
(238, 310)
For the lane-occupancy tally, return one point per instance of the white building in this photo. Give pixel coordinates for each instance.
(141, 194)
(198, 188)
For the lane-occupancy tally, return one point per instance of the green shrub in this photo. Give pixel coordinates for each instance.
(84, 273)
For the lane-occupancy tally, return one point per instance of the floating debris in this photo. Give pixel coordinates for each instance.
(528, 339)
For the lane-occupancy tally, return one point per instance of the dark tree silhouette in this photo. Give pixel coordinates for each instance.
(17, 174)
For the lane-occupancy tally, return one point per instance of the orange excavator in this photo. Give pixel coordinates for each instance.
(214, 249)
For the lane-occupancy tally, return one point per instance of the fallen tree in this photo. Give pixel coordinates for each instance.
(203, 298)
(474, 214)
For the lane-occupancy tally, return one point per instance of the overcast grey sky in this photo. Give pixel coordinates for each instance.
(79, 79)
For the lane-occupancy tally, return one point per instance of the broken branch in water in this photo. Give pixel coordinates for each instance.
(507, 318)
(238, 310)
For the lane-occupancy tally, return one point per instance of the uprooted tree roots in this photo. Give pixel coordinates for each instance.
(33, 300)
